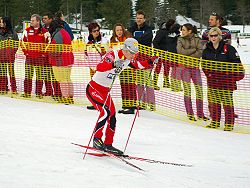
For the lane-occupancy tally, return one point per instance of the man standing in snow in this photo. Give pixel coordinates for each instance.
(34, 41)
(216, 20)
(143, 33)
(98, 90)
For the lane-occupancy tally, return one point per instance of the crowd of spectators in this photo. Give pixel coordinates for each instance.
(53, 69)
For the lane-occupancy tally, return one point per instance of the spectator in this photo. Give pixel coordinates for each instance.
(189, 44)
(119, 34)
(165, 39)
(49, 77)
(47, 19)
(221, 82)
(95, 48)
(62, 60)
(126, 77)
(238, 42)
(59, 16)
(144, 35)
(34, 41)
(216, 20)
(7, 56)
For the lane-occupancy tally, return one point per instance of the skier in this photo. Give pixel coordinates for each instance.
(98, 90)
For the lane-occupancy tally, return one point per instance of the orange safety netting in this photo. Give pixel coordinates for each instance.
(26, 72)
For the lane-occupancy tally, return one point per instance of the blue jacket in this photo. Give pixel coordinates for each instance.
(68, 29)
(143, 35)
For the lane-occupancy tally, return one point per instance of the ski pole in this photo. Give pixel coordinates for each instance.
(137, 110)
(110, 87)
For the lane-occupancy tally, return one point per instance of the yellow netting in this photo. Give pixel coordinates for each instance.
(163, 91)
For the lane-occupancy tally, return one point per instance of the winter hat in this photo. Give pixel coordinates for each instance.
(131, 45)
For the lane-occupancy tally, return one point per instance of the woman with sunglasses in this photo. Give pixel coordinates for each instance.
(95, 49)
(189, 44)
(221, 78)
(127, 77)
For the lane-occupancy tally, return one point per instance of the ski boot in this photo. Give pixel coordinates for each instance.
(113, 150)
(98, 144)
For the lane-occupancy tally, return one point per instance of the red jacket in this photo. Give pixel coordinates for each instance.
(62, 50)
(40, 36)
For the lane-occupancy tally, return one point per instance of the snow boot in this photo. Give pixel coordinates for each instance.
(213, 125)
(229, 127)
(128, 111)
(191, 117)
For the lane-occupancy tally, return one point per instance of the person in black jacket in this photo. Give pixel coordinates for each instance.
(221, 77)
(141, 31)
(144, 35)
(7, 56)
(165, 39)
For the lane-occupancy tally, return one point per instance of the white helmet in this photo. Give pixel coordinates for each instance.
(131, 45)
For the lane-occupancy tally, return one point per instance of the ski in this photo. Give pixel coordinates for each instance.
(96, 154)
(120, 158)
(135, 158)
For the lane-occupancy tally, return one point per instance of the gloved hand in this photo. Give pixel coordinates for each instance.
(153, 60)
(118, 64)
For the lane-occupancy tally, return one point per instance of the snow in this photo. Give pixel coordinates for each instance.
(238, 27)
(183, 20)
(36, 149)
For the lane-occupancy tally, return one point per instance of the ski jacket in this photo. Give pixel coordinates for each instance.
(143, 35)
(190, 46)
(8, 48)
(68, 29)
(32, 35)
(106, 72)
(166, 39)
(230, 66)
(226, 35)
(62, 54)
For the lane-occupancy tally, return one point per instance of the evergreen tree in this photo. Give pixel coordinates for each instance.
(243, 12)
(115, 12)
(164, 12)
(149, 7)
(89, 9)
(54, 6)
(230, 8)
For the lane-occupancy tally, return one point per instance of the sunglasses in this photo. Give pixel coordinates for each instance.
(213, 36)
(94, 31)
(214, 14)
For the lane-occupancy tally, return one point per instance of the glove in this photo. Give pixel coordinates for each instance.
(153, 60)
(118, 64)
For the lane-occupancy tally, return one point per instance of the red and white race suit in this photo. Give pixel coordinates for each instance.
(98, 91)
